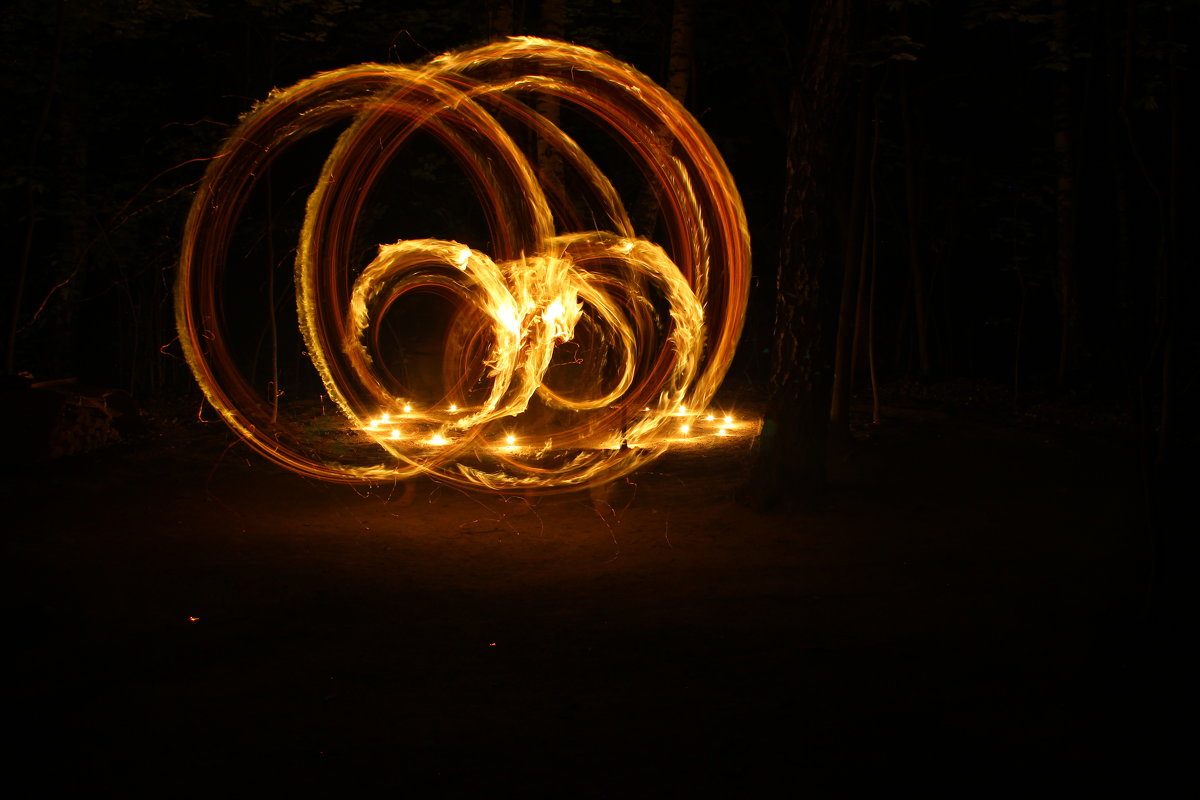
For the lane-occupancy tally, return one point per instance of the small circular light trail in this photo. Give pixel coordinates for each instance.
(584, 338)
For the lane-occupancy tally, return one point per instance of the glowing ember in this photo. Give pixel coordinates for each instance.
(510, 440)
(571, 322)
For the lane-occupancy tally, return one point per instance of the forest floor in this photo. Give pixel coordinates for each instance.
(966, 609)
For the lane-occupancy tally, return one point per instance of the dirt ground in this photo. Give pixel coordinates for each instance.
(965, 612)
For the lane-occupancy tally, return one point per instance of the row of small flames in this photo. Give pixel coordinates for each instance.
(386, 424)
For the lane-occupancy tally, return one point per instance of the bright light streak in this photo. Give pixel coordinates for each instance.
(570, 325)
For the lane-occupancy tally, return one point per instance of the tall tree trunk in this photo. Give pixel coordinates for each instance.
(873, 216)
(679, 72)
(272, 322)
(553, 26)
(1173, 310)
(31, 206)
(920, 313)
(852, 269)
(679, 63)
(1065, 196)
(73, 234)
(790, 453)
(501, 21)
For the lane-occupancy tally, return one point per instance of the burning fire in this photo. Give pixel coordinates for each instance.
(594, 341)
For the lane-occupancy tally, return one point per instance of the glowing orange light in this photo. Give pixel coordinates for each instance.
(572, 322)
(395, 434)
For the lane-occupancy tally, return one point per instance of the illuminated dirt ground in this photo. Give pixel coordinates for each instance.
(964, 608)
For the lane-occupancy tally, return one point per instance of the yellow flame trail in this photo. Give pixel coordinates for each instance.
(661, 322)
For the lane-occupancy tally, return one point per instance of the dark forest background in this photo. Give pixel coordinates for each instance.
(973, 223)
(1005, 194)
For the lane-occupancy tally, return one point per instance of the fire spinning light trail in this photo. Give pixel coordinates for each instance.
(574, 349)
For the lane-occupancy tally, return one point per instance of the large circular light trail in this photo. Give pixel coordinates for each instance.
(652, 328)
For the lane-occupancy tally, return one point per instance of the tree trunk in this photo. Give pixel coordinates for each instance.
(679, 71)
(553, 26)
(790, 453)
(1065, 198)
(1173, 310)
(873, 216)
(920, 313)
(31, 208)
(501, 22)
(852, 268)
(679, 64)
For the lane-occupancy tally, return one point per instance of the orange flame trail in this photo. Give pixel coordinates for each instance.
(658, 324)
